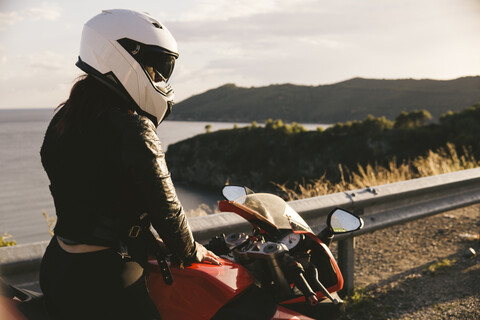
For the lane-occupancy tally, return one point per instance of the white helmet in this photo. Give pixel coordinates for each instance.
(134, 54)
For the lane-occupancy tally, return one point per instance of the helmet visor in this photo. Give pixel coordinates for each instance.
(162, 64)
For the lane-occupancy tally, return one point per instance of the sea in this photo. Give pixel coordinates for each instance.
(24, 194)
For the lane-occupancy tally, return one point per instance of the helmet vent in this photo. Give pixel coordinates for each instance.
(136, 50)
(157, 25)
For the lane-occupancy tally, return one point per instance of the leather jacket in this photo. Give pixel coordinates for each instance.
(106, 176)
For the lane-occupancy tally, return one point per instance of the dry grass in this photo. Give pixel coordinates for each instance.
(7, 240)
(441, 161)
(50, 222)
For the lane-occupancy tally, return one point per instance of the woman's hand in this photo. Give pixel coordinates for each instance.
(204, 255)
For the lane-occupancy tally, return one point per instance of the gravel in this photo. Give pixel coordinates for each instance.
(424, 269)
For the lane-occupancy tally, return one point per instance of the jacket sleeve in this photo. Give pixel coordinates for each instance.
(143, 157)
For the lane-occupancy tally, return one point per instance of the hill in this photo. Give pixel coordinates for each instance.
(353, 99)
(280, 153)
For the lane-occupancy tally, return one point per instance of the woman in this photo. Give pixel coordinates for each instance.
(108, 175)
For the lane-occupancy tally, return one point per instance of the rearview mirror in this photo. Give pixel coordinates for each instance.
(342, 221)
(233, 193)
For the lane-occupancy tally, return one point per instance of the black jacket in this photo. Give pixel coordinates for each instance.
(106, 176)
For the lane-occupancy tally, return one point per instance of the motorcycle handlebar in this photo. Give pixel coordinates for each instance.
(295, 273)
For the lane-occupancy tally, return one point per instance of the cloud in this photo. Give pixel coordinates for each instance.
(207, 10)
(47, 61)
(33, 88)
(42, 65)
(284, 27)
(45, 12)
(320, 42)
(328, 23)
(9, 18)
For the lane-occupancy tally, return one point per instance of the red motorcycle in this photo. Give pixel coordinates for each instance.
(282, 270)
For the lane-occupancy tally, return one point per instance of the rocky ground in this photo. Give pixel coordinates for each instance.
(419, 270)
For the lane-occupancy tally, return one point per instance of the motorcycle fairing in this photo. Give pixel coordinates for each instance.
(198, 291)
(283, 313)
(335, 269)
(259, 221)
(257, 304)
(248, 214)
(268, 212)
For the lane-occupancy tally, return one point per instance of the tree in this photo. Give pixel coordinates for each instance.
(208, 127)
(412, 119)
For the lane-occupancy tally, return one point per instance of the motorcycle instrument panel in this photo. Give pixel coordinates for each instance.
(291, 240)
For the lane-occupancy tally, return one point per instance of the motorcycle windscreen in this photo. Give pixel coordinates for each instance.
(268, 212)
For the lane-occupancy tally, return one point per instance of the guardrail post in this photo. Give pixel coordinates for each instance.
(346, 262)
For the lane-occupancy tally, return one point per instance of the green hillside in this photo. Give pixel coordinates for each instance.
(259, 155)
(354, 99)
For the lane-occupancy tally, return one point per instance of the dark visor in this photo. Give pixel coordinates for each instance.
(161, 62)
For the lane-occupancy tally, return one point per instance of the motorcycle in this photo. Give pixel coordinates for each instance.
(280, 271)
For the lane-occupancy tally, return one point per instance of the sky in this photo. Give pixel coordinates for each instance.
(249, 43)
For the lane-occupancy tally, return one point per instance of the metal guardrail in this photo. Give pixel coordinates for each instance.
(380, 207)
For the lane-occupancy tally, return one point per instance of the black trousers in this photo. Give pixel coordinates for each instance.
(94, 285)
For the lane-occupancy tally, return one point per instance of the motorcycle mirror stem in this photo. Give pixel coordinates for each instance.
(326, 235)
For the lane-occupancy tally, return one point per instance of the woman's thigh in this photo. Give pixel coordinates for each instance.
(95, 285)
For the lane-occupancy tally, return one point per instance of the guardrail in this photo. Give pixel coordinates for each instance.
(380, 207)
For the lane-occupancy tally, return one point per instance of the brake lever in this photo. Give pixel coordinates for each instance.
(312, 274)
(295, 271)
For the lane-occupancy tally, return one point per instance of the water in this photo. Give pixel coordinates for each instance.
(24, 192)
